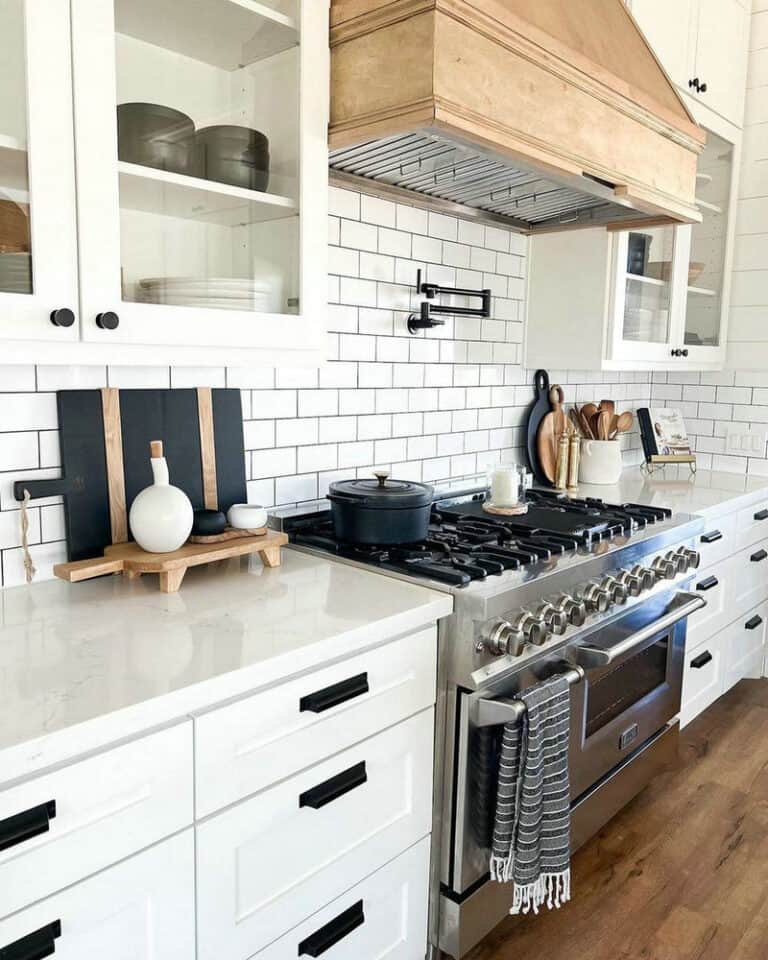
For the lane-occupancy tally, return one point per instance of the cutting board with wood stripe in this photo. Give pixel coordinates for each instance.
(104, 437)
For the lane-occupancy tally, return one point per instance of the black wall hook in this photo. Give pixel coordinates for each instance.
(426, 318)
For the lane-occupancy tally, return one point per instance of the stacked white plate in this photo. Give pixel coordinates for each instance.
(224, 293)
(15, 273)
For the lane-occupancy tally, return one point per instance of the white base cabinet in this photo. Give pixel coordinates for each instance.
(141, 909)
(311, 831)
(726, 640)
(268, 862)
(382, 918)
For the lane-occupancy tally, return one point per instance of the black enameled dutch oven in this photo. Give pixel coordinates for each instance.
(380, 511)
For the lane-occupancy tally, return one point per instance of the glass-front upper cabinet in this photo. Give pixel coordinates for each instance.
(672, 284)
(706, 281)
(202, 170)
(38, 267)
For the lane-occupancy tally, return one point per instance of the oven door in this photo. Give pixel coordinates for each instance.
(632, 671)
(633, 681)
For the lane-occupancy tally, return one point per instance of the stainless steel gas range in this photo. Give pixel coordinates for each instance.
(597, 591)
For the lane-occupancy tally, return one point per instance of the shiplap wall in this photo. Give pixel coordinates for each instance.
(709, 401)
(438, 407)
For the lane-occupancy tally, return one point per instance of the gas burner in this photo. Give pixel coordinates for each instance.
(465, 544)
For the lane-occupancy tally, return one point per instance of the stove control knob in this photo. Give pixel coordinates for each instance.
(689, 559)
(555, 620)
(532, 627)
(574, 610)
(678, 559)
(645, 575)
(597, 599)
(615, 590)
(664, 569)
(503, 639)
(631, 582)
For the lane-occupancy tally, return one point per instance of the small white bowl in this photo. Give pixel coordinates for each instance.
(247, 516)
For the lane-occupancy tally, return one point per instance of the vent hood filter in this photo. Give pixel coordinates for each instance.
(446, 170)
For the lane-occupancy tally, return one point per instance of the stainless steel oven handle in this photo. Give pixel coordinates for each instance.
(685, 605)
(493, 713)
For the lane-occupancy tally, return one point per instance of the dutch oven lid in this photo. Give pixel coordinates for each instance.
(381, 492)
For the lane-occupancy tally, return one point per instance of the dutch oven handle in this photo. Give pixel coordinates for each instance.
(382, 476)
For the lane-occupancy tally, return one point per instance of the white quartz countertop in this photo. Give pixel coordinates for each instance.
(83, 665)
(707, 493)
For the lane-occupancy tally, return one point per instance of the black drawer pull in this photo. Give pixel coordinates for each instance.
(759, 556)
(35, 945)
(24, 826)
(334, 788)
(702, 660)
(707, 584)
(761, 515)
(334, 931)
(753, 623)
(712, 537)
(338, 693)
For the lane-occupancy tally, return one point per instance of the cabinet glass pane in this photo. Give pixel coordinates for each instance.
(708, 241)
(208, 148)
(648, 285)
(15, 238)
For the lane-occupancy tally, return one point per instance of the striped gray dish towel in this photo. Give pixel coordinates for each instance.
(532, 832)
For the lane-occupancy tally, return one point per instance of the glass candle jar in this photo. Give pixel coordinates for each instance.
(507, 483)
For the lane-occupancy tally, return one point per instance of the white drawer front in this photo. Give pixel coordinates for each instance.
(141, 909)
(270, 862)
(744, 647)
(750, 578)
(107, 807)
(382, 918)
(752, 523)
(715, 585)
(702, 678)
(246, 746)
(718, 540)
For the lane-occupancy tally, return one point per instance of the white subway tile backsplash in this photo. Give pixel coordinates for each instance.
(437, 406)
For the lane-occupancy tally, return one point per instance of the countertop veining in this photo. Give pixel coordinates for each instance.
(82, 665)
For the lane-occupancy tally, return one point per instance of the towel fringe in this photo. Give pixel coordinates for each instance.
(552, 889)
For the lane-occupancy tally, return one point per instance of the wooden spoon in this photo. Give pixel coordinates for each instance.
(608, 405)
(624, 422)
(589, 410)
(586, 427)
(604, 421)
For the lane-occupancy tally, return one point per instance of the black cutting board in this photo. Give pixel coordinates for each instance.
(145, 415)
(536, 413)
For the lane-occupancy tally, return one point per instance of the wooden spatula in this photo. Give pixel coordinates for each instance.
(604, 421)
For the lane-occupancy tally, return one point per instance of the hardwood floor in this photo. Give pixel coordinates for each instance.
(682, 872)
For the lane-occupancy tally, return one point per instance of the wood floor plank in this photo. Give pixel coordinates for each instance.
(682, 872)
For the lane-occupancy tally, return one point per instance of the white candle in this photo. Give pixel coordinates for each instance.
(505, 486)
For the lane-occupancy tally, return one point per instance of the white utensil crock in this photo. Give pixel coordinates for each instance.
(161, 515)
(600, 461)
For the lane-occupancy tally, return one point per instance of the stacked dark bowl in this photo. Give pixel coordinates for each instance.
(161, 137)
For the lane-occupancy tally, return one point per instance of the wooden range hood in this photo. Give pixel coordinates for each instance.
(548, 113)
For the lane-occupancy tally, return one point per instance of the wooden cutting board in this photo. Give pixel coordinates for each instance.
(104, 437)
(551, 429)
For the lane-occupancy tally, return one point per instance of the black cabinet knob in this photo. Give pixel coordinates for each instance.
(684, 352)
(108, 320)
(702, 88)
(63, 317)
(697, 85)
(675, 353)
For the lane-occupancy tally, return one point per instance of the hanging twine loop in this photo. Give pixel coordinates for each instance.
(29, 567)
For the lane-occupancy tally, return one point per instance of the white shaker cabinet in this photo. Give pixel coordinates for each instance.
(703, 45)
(163, 167)
(38, 248)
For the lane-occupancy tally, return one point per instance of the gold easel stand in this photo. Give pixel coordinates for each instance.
(658, 463)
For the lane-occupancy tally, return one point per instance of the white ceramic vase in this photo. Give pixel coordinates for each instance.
(161, 515)
(600, 461)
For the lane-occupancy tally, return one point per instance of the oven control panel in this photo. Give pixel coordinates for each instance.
(551, 618)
